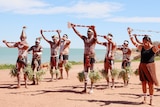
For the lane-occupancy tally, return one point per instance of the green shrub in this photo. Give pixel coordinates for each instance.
(103, 73)
(114, 72)
(94, 76)
(125, 73)
(7, 66)
(81, 76)
(136, 72)
(68, 66)
(13, 72)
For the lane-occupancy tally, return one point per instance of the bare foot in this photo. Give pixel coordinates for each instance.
(143, 102)
(84, 91)
(113, 87)
(151, 102)
(33, 83)
(60, 78)
(18, 86)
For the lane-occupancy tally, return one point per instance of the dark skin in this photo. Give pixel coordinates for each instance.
(22, 47)
(89, 35)
(64, 51)
(108, 67)
(54, 47)
(89, 46)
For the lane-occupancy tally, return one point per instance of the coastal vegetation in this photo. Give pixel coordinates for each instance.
(6, 66)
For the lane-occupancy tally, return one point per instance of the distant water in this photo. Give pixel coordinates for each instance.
(9, 55)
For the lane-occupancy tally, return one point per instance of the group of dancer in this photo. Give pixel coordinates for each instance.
(90, 42)
(59, 47)
(60, 50)
(146, 69)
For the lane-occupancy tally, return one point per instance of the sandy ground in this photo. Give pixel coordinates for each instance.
(66, 92)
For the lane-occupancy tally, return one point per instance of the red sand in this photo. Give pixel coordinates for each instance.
(66, 92)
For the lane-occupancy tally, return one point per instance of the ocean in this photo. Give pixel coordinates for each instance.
(9, 55)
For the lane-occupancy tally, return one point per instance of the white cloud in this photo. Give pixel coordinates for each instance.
(16, 6)
(95, 9)
(135, 19)
(79, 9)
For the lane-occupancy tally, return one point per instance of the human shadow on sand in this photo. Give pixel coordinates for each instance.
(56, 91)
(9, 86)
(40, 92)
(105, 102)
(100, 86)
(131, 95)
(157, 89)
(136, 96)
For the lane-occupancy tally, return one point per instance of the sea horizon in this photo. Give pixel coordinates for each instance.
(9, 55)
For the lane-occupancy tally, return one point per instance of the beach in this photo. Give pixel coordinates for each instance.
(66, 92)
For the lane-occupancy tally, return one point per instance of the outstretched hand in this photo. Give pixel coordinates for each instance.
(129, 30)
(92, 27)
(58, 31)
(73, 25)
(134, 35)
(4, 41)
(105, 37)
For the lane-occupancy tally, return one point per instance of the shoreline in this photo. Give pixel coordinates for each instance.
(9, 55)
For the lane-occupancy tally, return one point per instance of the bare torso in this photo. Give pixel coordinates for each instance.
(89, 45)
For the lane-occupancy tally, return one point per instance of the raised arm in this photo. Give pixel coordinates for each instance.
(137, 39)
(58, 31)
(109, 40)
(75, 30)
(94, 31)
(41, 31)
(135, 43)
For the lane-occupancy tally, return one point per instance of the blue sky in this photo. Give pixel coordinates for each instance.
(109, 16)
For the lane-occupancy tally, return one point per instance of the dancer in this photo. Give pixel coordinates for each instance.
(109, 57)
(22, 55)
(126, 59)
(89, 52)
(54, 48)
(147, 69)
(36, 58)
(64, 54)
